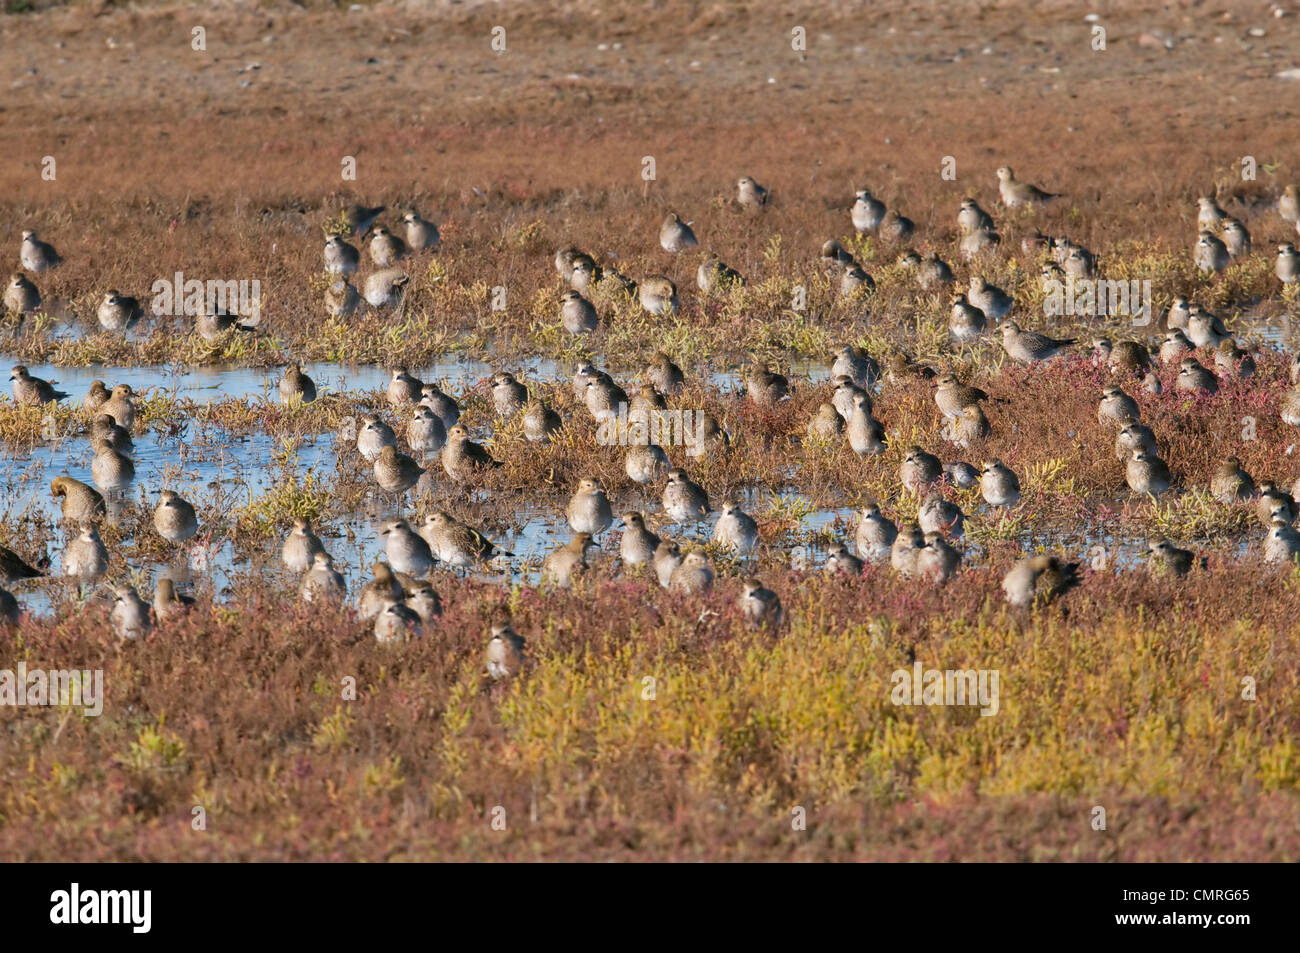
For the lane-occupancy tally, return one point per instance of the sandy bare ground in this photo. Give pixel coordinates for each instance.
(883, 92)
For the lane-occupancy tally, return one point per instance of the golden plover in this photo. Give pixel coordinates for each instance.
(875, 533)
(588, 510)
(658, 295)
(826, 424)
(570, 560)
(855, 281)
(1282, 545)
(1165, 555)
(1210, 254)
(577, 314)
(21, 295)
(323, 583)
(121, 406)
(999, 485)
(637, 545)
(1030, 346)
(1174, 346)
(1204, 328)
(664, 376)
(676, 235)
(857, 365)
(96, 397)
(341, 299)
(761, 606)
(668, 556)
(463, 459)
(1209, 215)
(425, 432)
(81, 503)
(736, 529)
(602, 396)
(420, 235)
(130, 616)
(397, 623)
(382, 589)
(1288, 204)
(457, 544)
(1147, 474)
(645, 463)
(938, 515)
(111, 469)
(694, 576)
(902, 555)
(765, 386)
(386, 249)
(407, 552)
(1134, 436)
(37, 256)
(508, 395)
(1236, 239)
(373, 437)
(1039, 578)
(919, 468)
(714, 276)
(750, 194)
(33, 390)
(424, 601)
(1231, 361)
(867, 211)
(540, 421)
(301, 546)
(86, 556)
(684, 500)
(896, 228)
(1015, 194)
(1287, 267)
(972, 217)
(168, 603)
(505, 653)
(937, 560)
(1230, 483)
(840, 560)
(357, 219)
(866, 434)
(174, 517)
(395, 472)
(445, 407)
(295, 385)
(340, 257)
(1274, 503)
(990, 299)
(104, 427)
(117, 312)
(384, 289)
(1194, 376)
(403, 388)
(846, 396)
(965, 321)
(1116, 408)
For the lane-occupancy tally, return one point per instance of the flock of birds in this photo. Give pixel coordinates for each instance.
(401, 600)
